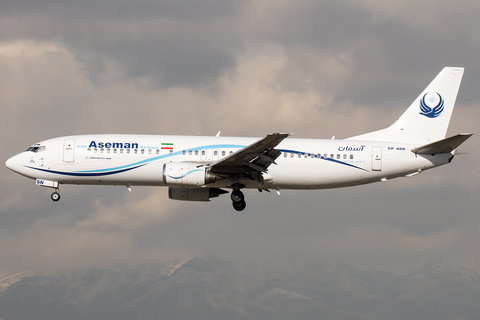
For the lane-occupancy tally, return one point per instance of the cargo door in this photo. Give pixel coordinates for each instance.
(69, 150)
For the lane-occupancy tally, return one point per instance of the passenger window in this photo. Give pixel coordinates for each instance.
(114, 150)
(142, 151)
(215, 152)
(170, 151)
(121, 150)
(299, 155)
(344, 156)
(101, 150)
(292, 155)
(196, 152)
(135, 151)
(223, 153)
(332, 156)
(285, 154)
(351, 156)
(230, 152)
(158, 151)
(128, 151)
(95, 150)
(184, 152)
(190, 152)
(325, 156)
(203, 152)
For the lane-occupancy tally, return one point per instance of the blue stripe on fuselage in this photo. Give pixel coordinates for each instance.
(322, 158)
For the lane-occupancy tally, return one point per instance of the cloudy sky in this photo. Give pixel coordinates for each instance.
(247, 68)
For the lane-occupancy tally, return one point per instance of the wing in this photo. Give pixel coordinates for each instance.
(256, 157)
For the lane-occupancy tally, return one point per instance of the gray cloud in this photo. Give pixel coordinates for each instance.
(171, 42)
(122, 9)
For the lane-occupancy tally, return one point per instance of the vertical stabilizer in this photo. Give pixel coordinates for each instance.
(428, 117)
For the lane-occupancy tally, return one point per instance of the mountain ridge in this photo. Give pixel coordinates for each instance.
(212, 288)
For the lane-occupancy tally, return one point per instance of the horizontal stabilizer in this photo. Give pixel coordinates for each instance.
(443, 146)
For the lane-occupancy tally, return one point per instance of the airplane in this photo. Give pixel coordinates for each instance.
(198, 168)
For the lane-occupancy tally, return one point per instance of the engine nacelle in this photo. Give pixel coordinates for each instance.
(194, 194)
(186, 174)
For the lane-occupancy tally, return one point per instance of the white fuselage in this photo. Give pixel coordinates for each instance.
(117, 159)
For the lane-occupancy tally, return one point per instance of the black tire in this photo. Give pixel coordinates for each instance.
(240, 205)
(55, 196)
(237, 196)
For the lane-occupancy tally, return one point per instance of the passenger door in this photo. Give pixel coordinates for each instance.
(376, 158)
(69, 150)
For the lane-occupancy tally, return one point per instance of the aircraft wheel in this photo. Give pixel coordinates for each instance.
(55, 196)
(239, 205)
(237, 196)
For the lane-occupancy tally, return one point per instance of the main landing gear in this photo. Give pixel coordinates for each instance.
(55, 195)
(238, 200)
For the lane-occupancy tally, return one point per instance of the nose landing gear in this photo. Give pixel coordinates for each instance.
(55, 195)
(238, 200)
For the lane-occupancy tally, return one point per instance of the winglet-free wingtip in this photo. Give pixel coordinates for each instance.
(281, 133)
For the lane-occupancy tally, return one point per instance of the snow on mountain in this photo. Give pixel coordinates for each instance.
(211, 288)
(7, 281)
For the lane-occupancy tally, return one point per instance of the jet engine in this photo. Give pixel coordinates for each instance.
(187, 175)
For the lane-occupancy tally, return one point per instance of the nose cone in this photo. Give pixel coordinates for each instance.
(9, 163)
(14, 163)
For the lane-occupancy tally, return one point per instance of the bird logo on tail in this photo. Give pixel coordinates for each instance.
(431, 112)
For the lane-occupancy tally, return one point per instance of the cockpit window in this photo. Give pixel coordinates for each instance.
(36, 148)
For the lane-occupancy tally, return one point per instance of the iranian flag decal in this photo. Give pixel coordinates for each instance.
(167, 146)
